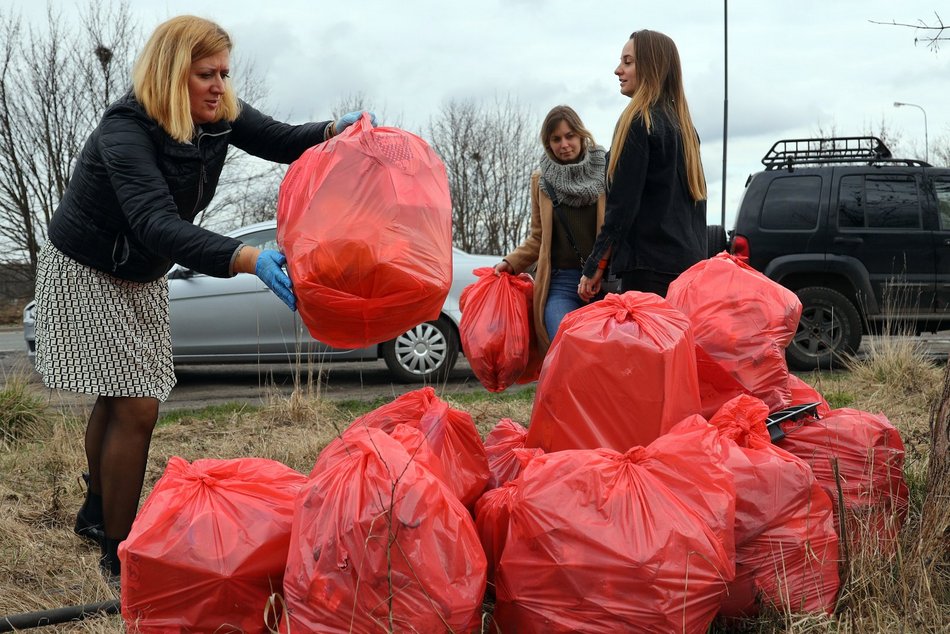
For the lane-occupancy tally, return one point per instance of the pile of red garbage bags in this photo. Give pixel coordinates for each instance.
(624, 506)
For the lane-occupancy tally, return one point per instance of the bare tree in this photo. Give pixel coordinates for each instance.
(52, 87)
(489, 151)
(892, 138)
(55, 83)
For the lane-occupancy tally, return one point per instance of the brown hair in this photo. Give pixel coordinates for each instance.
(554, 119)
(160, 74)
(660, 84)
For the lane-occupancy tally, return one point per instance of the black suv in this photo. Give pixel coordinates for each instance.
(862, 238)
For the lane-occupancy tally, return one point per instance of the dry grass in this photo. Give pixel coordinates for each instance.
(43, 565)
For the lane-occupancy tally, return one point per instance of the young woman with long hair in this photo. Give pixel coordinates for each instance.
(655, 223)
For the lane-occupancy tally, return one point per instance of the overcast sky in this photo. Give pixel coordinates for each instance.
(792, 66)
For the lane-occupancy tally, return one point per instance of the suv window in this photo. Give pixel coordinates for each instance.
(791, 203)
(878, 202)
(942, 187)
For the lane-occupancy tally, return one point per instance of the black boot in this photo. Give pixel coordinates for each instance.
(109, 561)
(89, 519)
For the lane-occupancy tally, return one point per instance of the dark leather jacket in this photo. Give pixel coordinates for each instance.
(134, 193)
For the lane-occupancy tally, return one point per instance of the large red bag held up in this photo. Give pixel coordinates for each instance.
(620, 372)
(597, 541)
(450, 434)
(870, 459)
(209, 546)
(380, 544)
(495, 326)
(786, 545)
(743, 320)
(365, 220)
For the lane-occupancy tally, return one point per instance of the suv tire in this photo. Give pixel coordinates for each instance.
(716, 241)
(828, 332)
(425, 353)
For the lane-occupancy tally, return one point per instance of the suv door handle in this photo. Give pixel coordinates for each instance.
(946, 241)
(840, 240)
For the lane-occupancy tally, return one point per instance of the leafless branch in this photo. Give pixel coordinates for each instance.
(933, 34)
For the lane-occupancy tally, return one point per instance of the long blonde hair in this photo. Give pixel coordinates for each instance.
(659, 84)
(160, 75)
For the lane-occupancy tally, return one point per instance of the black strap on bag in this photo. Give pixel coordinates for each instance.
(549, 189)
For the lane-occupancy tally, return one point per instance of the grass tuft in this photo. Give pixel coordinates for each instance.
(21, 411)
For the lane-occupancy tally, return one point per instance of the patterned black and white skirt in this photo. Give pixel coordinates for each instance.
(99, 334)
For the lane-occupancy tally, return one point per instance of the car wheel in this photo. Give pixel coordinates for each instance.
(425, 353)
(716, 241)
(828, 332)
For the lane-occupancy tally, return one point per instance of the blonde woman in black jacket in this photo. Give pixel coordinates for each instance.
(102, 322)
(655, 224)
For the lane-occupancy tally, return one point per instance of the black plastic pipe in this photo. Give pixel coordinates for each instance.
(43, 618)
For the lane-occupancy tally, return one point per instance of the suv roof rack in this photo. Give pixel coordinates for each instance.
(829, 151)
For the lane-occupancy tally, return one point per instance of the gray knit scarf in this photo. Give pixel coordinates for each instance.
(577, 184)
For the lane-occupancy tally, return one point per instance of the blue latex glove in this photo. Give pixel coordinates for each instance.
(269, 269)
(349, 119)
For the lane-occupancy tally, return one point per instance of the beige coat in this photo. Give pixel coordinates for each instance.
(537, 248)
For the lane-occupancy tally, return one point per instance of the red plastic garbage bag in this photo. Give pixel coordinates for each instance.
(596, 542)
(494, 329)
(691, 461)
(802, 394)
(365, 220)
(450, 433)
(379, 544)
(506, 452)
(491, 521)
(786, 545)
(870, 458)
(209, 546)
(743, 320)
(620, 372)
(716, 385)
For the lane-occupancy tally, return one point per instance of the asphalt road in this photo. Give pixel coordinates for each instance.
(199, 385)
(202, 385)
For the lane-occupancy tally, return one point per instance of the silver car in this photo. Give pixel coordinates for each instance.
(239, 320)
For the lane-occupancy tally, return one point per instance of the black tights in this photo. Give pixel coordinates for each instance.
(118, 436)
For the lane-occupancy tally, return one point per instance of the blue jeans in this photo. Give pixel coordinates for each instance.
(562, 298)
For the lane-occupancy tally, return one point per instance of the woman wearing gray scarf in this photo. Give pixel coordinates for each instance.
(572, 168)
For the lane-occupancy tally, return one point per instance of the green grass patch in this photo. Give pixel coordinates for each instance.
(211, 412)
(839, 399)
(525, 395)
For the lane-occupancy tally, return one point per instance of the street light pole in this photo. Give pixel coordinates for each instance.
(898, 104)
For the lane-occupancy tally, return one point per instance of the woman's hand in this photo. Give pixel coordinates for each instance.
(268, 266)
(349, 119)
(589, 287)
(503, 267)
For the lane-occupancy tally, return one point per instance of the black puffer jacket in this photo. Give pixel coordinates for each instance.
(135, 191)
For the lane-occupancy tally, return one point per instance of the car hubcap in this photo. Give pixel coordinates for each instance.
(819, 331)
(421, 350)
